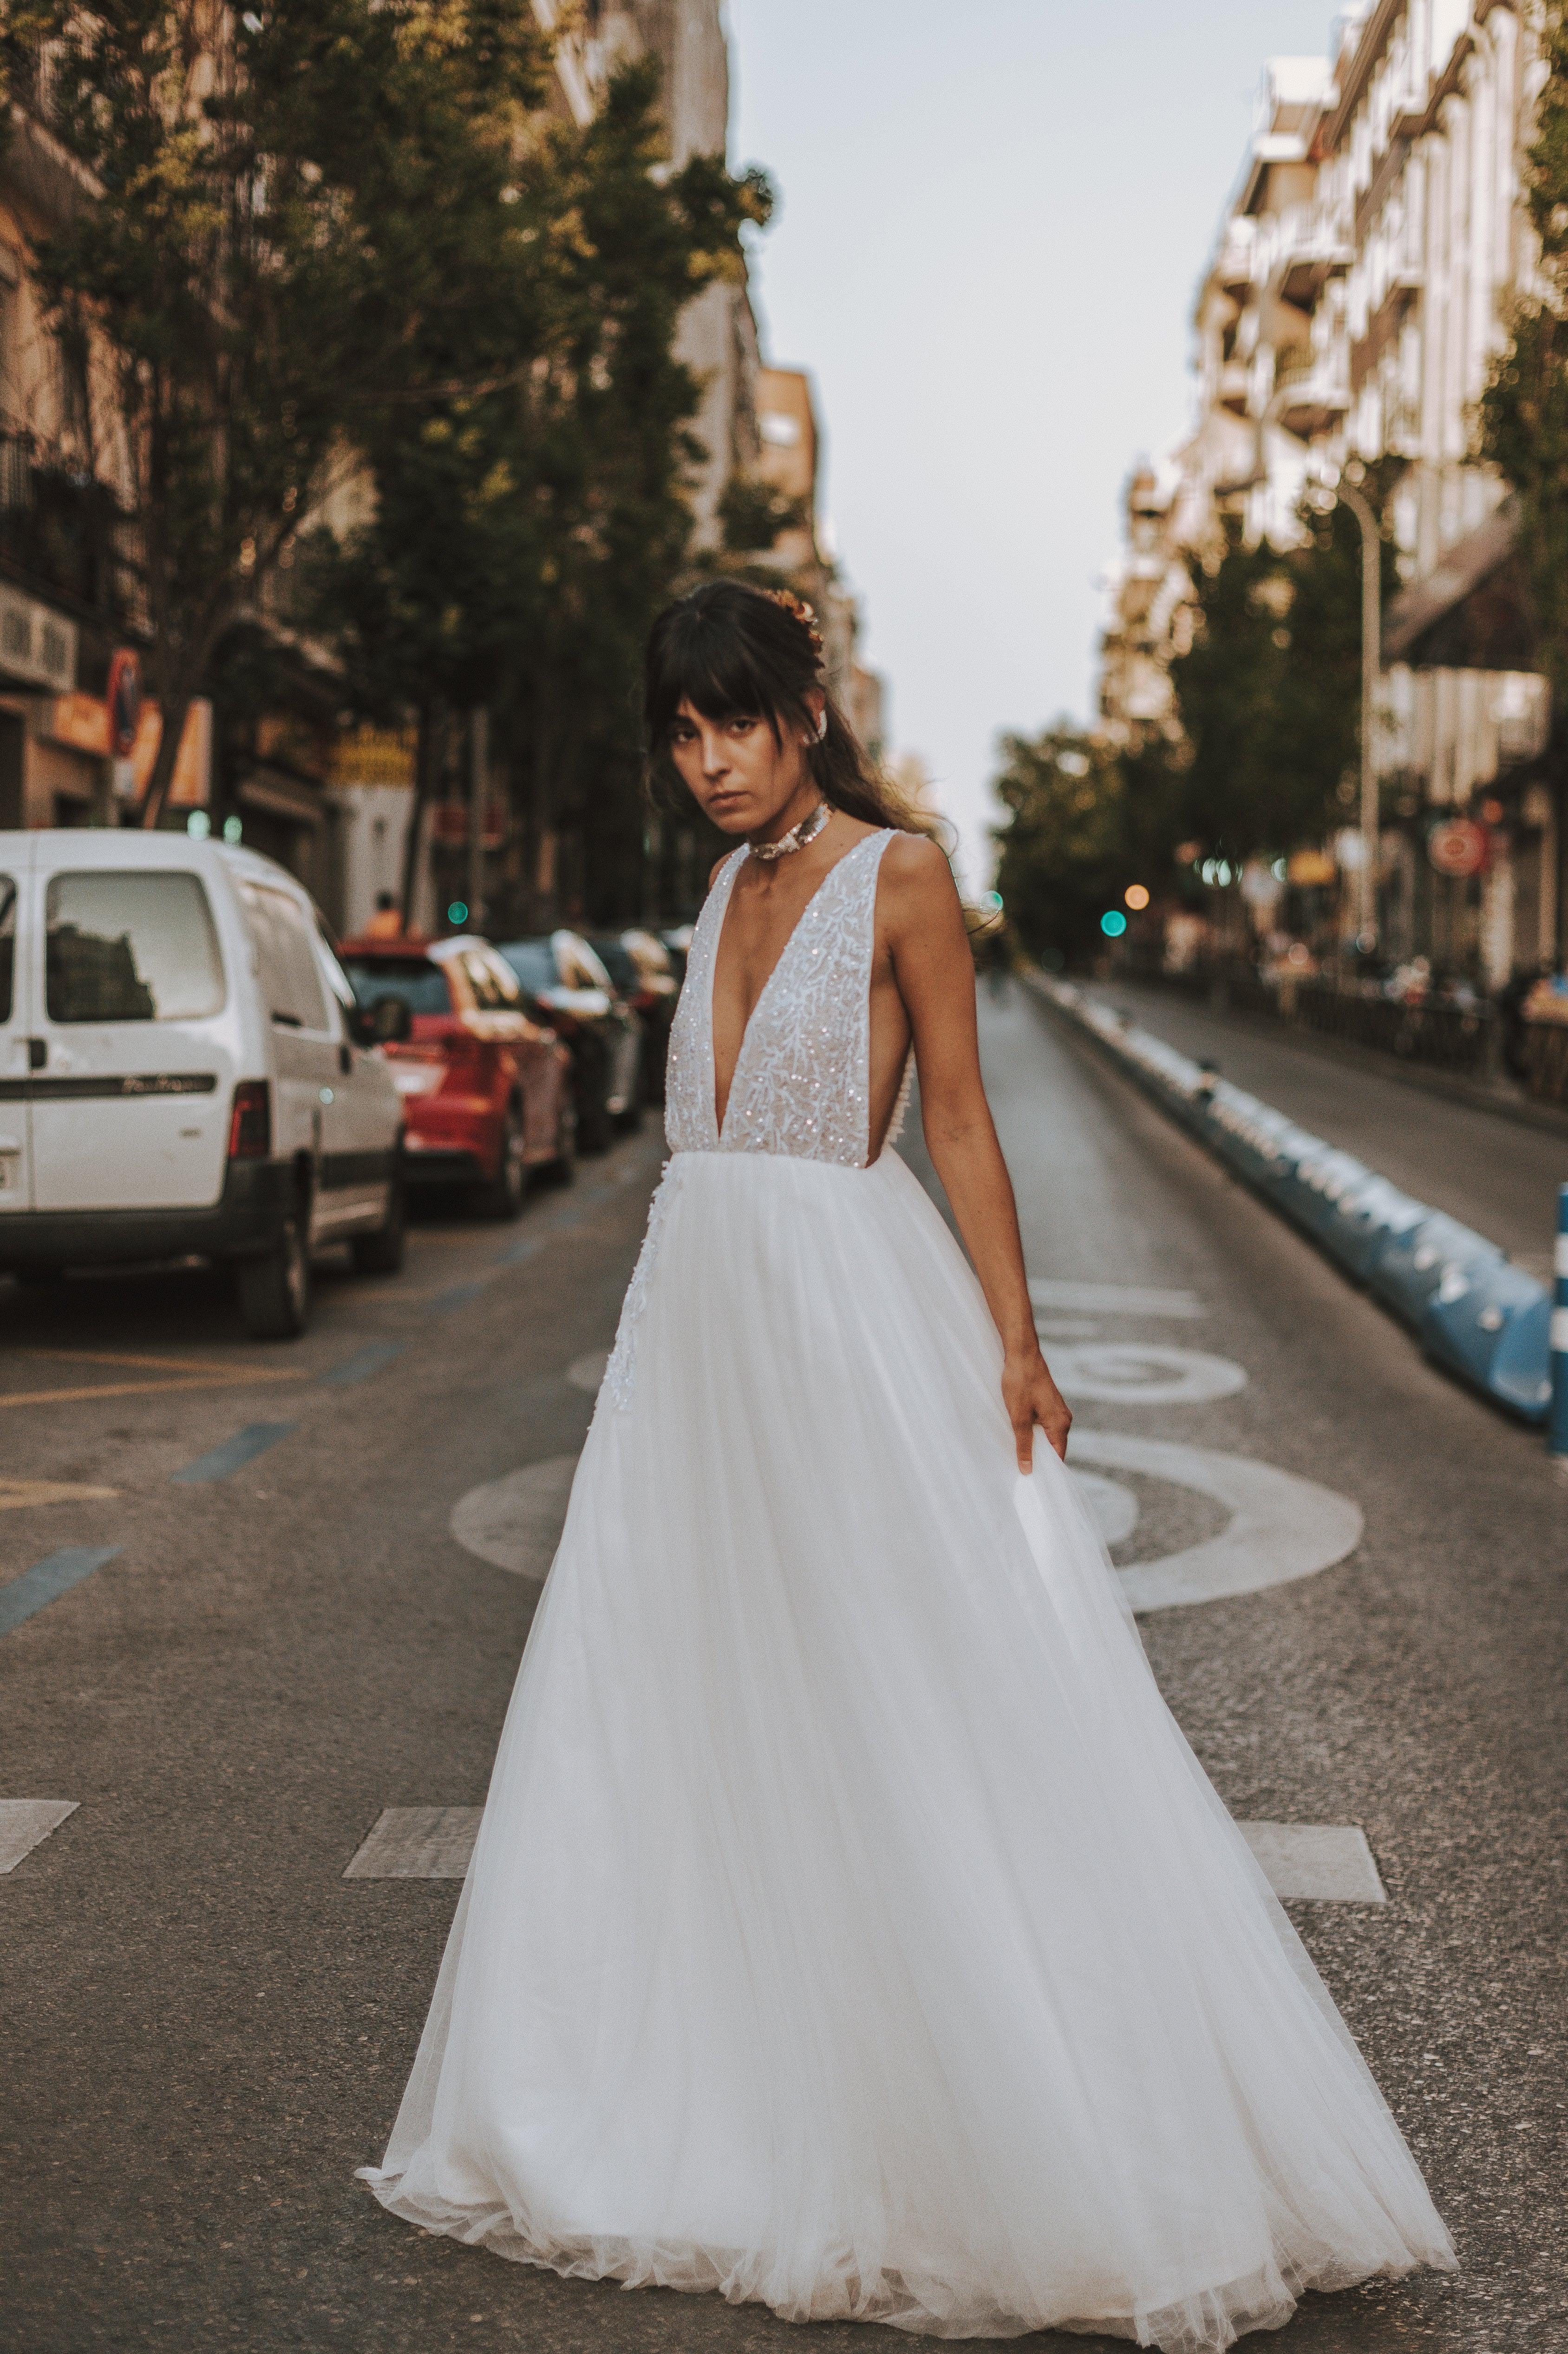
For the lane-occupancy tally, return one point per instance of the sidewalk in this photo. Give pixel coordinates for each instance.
(1488, 1172)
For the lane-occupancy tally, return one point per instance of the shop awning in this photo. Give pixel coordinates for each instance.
(1461, 571)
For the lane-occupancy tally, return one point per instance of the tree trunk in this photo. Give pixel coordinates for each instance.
(174, 713)
(430, 760)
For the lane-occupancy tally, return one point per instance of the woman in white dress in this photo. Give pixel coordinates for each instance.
(851, 1928)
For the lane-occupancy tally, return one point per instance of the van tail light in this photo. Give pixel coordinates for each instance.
(250, 1121)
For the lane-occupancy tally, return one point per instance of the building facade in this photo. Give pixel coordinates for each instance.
(1356, 300)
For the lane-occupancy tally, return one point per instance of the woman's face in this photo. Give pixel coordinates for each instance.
(739, 773)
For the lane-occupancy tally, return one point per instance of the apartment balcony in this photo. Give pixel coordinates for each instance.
(1311, 244)
(1231, 390)
(1310, 393)
(57, 526)
(1235, 262)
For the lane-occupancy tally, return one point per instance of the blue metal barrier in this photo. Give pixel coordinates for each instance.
(1473, 1311)
(1558, 1436)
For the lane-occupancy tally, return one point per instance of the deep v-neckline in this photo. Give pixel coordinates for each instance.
(758, 1001)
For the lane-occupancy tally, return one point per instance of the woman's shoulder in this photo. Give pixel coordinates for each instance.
(914, 865)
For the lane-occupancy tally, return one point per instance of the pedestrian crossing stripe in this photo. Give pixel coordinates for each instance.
(1310, 1863)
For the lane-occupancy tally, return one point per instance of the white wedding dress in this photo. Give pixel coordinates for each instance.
(850, 1927)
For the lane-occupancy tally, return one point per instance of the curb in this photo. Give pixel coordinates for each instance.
(1473, 1311)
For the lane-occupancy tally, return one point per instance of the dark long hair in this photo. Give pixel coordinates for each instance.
(730, 649)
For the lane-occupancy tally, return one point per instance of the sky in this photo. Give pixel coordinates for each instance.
(993, 217)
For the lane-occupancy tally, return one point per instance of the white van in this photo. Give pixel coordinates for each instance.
(183, 1069)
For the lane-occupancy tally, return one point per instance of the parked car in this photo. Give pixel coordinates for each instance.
(640, 967)
(565, 981)
(486, 1089)
(184, 1070)
(678, 941)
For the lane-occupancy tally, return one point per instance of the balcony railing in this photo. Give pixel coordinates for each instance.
(59, 526)
(1311, 244)
(1309, 390)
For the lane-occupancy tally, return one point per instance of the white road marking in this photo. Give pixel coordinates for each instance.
(587, 1373)
(1317, 1863)
(25, 1822)
(1115, 1508)
(15, 1493)
(516, 1521)
(1281, 1528)
(1140, 1372)
(1314, 1863)
(1114, 1298)
(417, 1843)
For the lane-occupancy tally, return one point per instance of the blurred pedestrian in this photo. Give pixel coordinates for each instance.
(386, 923)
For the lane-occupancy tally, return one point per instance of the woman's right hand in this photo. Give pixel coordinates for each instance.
(1032, 1397)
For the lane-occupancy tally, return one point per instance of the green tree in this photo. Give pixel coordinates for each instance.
(206, 291)
(1523, 424)
(1268, 695)
(531, 509)
(1065, 848)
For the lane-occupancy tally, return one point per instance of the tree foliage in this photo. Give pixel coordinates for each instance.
(385, 351)
(1269, 695)
(212, 289)
(1064, 851)
(530, 511)
(1522, 423)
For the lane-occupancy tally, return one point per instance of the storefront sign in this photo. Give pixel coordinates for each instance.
(123, 702)
(36, 645)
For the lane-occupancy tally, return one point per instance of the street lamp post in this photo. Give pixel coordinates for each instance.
(1371, 634)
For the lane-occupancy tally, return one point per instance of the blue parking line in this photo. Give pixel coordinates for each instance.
(243, 1448)
(49, 1579)
(363, 1361)
(456, 1295)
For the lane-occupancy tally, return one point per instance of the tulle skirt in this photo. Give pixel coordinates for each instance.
(849, 1927)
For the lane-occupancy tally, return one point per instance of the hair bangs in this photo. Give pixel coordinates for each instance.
(714, 670)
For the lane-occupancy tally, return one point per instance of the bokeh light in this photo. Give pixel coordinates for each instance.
(1136, 895)
(458, 912)
(1113, 923)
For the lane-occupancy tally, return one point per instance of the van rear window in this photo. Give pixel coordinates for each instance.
(130, 947)
(7, 943)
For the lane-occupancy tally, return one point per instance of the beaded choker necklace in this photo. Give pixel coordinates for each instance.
(796, 839)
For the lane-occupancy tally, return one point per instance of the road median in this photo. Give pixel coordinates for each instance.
(1473, 1311)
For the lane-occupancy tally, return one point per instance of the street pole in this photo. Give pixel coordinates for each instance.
(1372, 635)
(478, 770)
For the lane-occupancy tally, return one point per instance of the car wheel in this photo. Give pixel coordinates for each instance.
(275, 1289)
(504, 1195)
(382, 1252)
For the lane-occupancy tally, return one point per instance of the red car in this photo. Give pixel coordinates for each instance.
(487, 1091)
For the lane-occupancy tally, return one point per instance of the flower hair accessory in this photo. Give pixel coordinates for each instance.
(801, 611)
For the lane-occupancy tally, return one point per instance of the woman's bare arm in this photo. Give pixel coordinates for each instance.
(924, 928)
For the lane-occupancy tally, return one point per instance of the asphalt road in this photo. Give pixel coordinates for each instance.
(208, 2027)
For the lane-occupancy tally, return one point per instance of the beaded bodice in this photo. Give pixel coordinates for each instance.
(802, 1081)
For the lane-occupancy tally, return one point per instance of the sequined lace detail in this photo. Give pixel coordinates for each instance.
(802, 1084)
(620, 1374)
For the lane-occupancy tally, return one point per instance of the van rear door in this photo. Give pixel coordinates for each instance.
(130, 1106)
(16, 1038)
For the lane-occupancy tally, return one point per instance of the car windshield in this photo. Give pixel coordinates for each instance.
(618, 961)
(534, 962)
(421, 985)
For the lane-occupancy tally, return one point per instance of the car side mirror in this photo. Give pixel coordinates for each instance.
(391, 1022)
